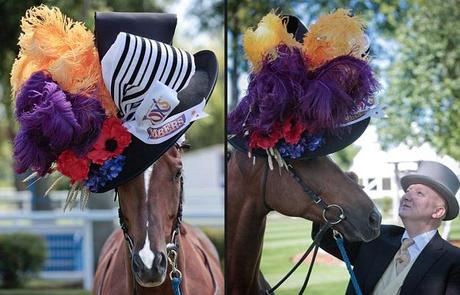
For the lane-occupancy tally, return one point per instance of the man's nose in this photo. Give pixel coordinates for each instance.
(407, 196)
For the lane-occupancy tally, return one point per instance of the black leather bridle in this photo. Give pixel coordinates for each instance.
(172, 248)
(318, 237)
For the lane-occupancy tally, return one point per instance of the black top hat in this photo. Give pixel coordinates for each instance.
(331, 140)
(439, 178)
(158, 27)
(102, 119)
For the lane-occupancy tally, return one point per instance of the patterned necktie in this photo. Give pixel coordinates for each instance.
(402, 258)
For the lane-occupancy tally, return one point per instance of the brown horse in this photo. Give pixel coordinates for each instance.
(254, 190)
(150, 212)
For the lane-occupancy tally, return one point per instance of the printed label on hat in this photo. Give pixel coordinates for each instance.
(157, 133)
(158, 103)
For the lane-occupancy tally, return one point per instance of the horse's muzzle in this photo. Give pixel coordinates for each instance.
(150, 277)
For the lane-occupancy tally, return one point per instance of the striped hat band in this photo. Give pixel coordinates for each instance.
(133, 65)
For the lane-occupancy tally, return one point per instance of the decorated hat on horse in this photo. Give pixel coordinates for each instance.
(310, 93)
(101, 116)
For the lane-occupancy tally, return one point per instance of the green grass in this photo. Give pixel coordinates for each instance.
(454, 233)
(286, 237)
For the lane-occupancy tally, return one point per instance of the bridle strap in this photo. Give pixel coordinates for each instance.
(173, 246)
(311, 194)
(129, 241)
(317, 240)
(264, 187)
(315, 244)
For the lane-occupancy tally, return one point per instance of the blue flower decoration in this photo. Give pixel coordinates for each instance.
(100, 175)
(294, 151)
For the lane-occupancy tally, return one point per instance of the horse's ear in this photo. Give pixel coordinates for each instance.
(353, 176)
(183, 146)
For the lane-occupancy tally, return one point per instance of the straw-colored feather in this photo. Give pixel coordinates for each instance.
(334, 35)
(262, 42)
(65, 48)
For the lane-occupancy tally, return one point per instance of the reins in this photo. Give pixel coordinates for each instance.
(318, 237)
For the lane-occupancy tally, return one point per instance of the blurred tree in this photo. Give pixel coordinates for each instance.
(423, 94)
(208, 14)
(344, 158)
(242, 15)
(383, 16)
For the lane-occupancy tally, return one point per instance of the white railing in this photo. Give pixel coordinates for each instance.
(202, 207)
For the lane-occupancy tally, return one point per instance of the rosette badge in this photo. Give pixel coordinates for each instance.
(102, 123)
(308, 95)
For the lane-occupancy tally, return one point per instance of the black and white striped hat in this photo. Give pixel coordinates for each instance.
(159, 90)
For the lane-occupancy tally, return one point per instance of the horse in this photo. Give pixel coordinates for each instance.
(134, 259)
(253, 190)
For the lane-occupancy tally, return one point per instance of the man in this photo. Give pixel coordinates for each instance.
(414, 259)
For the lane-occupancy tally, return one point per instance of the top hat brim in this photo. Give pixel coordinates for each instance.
(139, 155)
(341, 138)
(442, 190)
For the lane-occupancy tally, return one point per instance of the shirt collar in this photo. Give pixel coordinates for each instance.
(420, 240)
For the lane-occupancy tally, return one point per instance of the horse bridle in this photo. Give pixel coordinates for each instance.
(172, 248)
(318, 237)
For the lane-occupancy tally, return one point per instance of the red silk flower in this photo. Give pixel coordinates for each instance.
(262, 141)
(114, 138)
(292, 130)
(70, 165)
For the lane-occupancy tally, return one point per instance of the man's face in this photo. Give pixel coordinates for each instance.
(420, 203)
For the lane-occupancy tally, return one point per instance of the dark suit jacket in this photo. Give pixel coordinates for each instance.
(435, 271)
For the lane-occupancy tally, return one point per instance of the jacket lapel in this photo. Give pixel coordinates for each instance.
(384, 252)
(430, 254)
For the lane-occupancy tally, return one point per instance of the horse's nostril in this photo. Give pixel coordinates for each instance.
(137, 262)
(375, 219)
(160, 261)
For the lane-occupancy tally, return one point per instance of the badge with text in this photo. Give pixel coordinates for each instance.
(158, 103)
(152, 132)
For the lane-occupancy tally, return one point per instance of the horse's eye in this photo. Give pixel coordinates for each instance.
(178, 174)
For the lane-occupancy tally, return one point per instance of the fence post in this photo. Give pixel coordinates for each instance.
(88, 257)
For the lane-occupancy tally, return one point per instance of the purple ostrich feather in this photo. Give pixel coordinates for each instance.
(31, 150)
(47, 123)
(336, 90)
(52, 121)
(89, 114)
(272, 93)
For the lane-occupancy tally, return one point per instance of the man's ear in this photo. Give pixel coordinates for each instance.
(439, 213)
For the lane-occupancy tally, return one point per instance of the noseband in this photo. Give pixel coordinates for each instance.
(318, 237)
(172, 248)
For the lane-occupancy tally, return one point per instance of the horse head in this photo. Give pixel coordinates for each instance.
(151, 208)
(278, 190)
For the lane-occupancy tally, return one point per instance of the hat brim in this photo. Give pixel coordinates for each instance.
(333, 142)
(444, 192)
(139, 155)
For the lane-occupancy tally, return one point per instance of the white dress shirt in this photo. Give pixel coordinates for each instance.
(420, 242)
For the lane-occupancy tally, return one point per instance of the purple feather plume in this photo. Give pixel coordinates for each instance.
(272, 93)
(336, 90)
(47, 123)
(89, 114)
(52, 121)
(31, 150)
